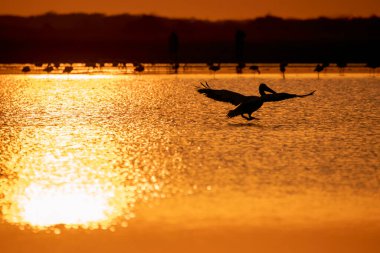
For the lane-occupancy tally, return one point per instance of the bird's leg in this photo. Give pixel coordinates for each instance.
(251, 118)
(247, 118)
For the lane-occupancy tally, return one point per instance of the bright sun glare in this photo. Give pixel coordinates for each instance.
(68, 204)
(59, 183)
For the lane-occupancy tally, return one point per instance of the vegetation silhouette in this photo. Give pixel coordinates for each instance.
(247, 104)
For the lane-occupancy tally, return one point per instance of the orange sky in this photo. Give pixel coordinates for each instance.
(211, 9)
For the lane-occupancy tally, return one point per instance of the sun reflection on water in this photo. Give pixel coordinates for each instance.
(60, 183)
(68, 204)
(62, 162)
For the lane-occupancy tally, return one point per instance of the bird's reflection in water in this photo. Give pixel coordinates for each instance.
(67, 177)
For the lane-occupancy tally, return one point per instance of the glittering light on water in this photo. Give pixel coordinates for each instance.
(68, 204)
(59, 183)
(67, 165)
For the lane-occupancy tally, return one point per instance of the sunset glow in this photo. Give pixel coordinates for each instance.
(212, 9)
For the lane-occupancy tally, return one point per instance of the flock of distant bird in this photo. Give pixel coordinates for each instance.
(138, 67)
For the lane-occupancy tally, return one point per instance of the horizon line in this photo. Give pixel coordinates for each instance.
(268, 15)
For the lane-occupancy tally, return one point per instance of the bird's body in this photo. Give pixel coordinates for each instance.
(247, 104)
(138, 67)
(26, 69)
(283, 66)
(68, 69)
(319, 68)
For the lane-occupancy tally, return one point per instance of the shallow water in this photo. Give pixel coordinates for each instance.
(129, 152)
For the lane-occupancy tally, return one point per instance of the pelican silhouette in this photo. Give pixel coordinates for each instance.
(247, 104)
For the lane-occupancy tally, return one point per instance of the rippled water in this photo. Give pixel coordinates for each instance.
(101, 151)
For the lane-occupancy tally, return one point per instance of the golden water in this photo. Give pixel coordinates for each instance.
(100, 151)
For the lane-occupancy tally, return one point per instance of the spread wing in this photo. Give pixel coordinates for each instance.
(282, 96)
(223, 95)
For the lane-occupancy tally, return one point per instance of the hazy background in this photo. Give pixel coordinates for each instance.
(211, 9)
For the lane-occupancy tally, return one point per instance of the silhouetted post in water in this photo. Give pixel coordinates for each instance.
(213, 67)
(239, 50)
(341, 65)
(173, 50)
(283, 66)
(255, 69)
(26, 69)
(318, 69)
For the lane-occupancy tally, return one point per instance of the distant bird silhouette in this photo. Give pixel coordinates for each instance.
(240, 67)
(26, 69)
(49, 68)
(319, 68)
(341, 65)
(247, 104)
(38, 64)
(91, 65)
(255, 68)
(213, 67)
(325, 65)
(56, 65)
(283, 66)
(68, 69)
(175, 67)
(138, 67)
(373, 65)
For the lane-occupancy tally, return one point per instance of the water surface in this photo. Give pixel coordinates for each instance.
(148, 153)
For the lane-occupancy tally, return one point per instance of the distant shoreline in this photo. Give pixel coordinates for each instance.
(146, 38)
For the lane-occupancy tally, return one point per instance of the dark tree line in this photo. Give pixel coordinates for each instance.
(145, 38)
